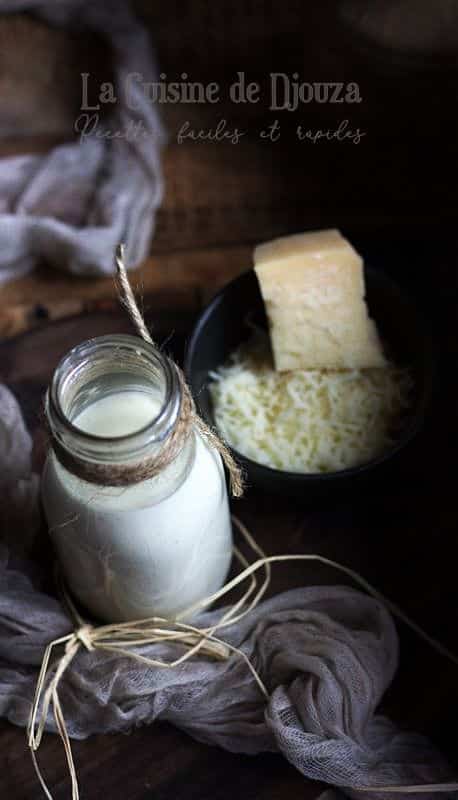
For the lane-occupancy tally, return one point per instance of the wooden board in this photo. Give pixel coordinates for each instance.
(401, 536)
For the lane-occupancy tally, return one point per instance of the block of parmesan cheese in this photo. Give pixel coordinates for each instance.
(313, 290)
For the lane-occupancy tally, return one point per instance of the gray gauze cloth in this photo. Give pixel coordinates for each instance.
(325, 653)
(72, 206)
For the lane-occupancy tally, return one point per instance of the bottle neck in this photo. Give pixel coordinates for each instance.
(93, 375)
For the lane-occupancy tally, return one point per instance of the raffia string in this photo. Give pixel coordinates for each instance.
(125, 639)
(188, 418)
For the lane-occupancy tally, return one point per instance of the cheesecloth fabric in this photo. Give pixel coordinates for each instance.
(73, 205)
(325, 653)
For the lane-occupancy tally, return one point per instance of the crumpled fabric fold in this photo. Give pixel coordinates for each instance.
(72, 206)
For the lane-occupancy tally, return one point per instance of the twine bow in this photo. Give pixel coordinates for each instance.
(124, 639)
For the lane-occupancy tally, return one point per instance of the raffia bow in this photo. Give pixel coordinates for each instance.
(124, 639)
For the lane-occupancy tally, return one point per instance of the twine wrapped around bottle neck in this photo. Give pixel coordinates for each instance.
(188, 420)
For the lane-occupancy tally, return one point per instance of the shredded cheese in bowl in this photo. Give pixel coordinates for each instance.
(306, 421)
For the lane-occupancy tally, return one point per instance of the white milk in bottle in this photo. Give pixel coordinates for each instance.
(148, 547)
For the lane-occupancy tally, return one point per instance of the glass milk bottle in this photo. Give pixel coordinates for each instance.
(156, 545)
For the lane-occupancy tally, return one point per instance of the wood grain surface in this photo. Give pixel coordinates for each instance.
(401, 534)
(400, 179)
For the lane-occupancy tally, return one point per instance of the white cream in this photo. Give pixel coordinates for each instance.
(118, 414)
(152, 548)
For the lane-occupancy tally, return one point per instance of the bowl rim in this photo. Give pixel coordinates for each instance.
(271, 473)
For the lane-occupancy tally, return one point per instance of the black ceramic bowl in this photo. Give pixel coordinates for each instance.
(223, 326)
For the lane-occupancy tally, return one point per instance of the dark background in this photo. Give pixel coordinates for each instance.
(394, 195)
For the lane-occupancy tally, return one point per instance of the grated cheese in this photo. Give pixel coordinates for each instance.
(308, 420)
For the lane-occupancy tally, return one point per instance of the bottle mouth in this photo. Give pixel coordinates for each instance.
(108, 365)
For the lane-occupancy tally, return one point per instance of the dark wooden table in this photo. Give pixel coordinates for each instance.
(400, 533)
